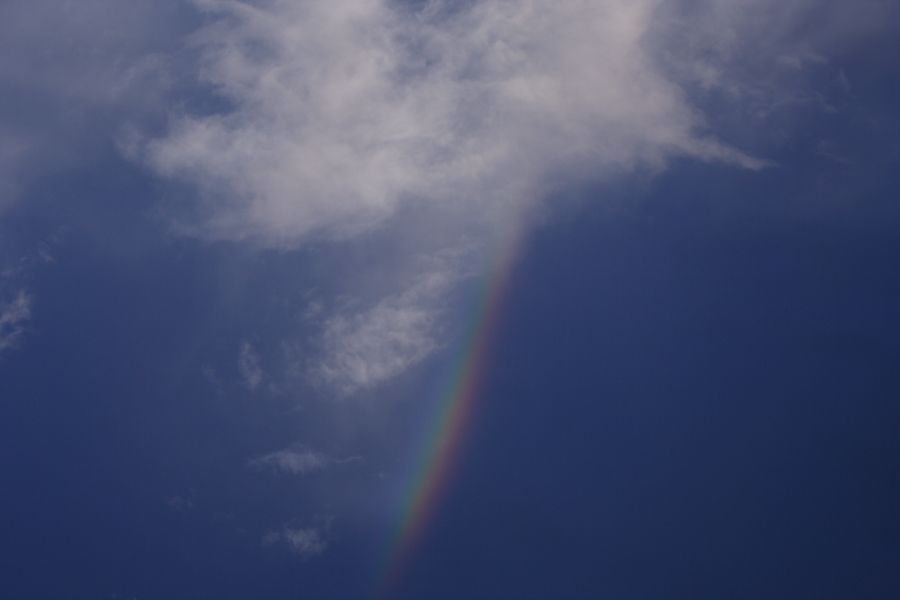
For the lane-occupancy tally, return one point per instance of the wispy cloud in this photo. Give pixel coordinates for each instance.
(299, 461)
(304, 542)
(360, 349)
(14, 314)
(250, 367)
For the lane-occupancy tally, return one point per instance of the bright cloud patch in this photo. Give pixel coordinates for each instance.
(342, 114)
(343, 117)
(363, 348)
(343, 111)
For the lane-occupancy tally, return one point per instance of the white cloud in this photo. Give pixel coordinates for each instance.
(343, 116)
(364, 348)
(305, 542)
(13, 316)
(344, 111)
(299, 461)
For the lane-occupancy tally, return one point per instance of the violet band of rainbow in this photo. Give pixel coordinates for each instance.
(454, 418)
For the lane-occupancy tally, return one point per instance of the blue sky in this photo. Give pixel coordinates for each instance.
(242, 245)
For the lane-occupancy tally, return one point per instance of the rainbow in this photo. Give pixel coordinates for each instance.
(448, 431)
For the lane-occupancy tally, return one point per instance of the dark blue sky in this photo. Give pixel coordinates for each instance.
(693, 392)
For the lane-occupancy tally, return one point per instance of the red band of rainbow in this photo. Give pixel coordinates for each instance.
(455, 415)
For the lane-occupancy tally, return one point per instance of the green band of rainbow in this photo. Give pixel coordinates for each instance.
(456, 413)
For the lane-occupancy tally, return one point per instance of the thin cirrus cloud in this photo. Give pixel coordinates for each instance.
(250, 367)
(14, 316)
(299, 461)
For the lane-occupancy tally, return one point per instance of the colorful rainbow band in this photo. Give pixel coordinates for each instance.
(444, 449)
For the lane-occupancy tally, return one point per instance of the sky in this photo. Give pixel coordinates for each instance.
(440, 299)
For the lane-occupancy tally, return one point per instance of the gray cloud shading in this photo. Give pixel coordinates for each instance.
(71, 74)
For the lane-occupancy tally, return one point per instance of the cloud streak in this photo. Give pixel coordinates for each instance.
(250, 367)
(299, 461)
